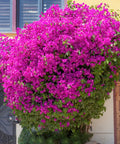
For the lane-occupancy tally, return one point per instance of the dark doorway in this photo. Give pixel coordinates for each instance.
(7, 124)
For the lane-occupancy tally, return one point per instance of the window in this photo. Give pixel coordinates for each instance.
(15, 13)
(6, 15)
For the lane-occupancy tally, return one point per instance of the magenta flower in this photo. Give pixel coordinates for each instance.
(68, 124)
(110, 76)
(43, 120)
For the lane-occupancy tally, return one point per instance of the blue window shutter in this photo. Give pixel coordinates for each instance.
(48, 3)
(29, 11)
(5, 15)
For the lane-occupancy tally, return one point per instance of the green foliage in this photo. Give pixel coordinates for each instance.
(58, 137)
(69, 2)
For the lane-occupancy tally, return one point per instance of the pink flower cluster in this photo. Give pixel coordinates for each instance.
(50, 63)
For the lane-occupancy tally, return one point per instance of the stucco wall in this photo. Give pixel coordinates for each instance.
(103, 128)
(114, 4)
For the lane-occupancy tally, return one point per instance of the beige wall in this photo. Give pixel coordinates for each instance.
(114, 4)
(103, 128)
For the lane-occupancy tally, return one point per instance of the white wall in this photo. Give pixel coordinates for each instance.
(103, 128)
(18, 131)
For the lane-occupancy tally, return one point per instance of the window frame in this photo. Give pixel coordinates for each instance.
(14, 15)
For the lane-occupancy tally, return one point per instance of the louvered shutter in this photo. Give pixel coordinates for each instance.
(48, 3)
(5, 15)
(29, 10)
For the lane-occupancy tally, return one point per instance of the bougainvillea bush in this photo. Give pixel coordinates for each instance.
(58, 71)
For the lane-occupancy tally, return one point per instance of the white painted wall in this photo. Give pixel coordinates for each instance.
(103, 128)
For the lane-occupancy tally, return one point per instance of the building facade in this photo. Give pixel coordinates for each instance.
(15, 13)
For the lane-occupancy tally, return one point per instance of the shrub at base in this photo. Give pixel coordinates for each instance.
(58, 71)
(48, 137)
